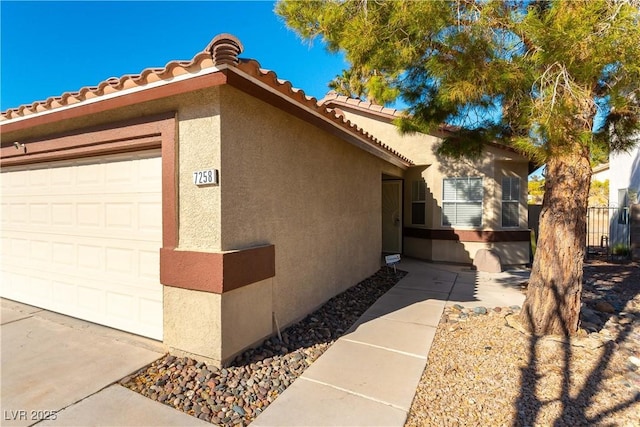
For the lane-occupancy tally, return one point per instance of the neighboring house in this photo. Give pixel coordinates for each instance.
(205, 202)
(447, 209)
(598, 230)
(600, 172)
(624, 186)
(599, 191)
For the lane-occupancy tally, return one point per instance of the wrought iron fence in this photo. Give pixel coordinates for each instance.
(608, 232)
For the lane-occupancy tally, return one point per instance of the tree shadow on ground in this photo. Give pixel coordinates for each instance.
(312, 335)
(575, 400)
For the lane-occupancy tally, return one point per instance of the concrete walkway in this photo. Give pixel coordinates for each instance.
(368, 377)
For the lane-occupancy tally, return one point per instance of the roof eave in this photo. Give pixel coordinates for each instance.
(333, 124)
(120, 99)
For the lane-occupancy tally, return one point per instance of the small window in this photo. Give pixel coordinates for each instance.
(418, 202)
(623, 204)
(462, 202)
(510, 202)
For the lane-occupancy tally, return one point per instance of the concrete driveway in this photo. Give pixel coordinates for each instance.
(54, 364)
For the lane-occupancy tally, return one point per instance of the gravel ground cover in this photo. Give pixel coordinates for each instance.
(235, 395)
(483, 372)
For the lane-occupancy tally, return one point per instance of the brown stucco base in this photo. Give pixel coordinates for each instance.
(460, 246)
(484, 236)
(216, 272)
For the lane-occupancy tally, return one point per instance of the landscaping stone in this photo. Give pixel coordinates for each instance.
(236, 394)
(487, 260)
(480, 310)
(604, 307)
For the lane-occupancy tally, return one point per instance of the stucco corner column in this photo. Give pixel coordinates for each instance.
(216, 303)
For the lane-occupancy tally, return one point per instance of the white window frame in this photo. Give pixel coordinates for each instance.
(509, 198)
(418, 198)
(457, 201)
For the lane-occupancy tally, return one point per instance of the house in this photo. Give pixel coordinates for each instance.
(445, 209)
(207, 201)
(624, 186)
(599, 191)
(600, 172)
(598, 213)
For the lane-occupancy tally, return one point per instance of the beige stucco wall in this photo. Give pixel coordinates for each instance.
(513, 253)
(492, 166)
(216, 327)
(199, 149)
(510, 253)
(192, 323)
(314, 196)
(246, 317)
(418, 147)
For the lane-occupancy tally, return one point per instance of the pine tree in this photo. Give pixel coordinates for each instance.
(536, 75)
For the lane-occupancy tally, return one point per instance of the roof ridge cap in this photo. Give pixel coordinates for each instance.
(224, 49)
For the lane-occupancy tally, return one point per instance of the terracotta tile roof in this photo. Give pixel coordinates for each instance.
(333, 98)
(221, 54)
(173, 69)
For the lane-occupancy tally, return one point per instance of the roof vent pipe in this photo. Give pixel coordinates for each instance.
(224, 49)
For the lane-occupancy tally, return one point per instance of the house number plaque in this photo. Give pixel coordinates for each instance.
(206, 177)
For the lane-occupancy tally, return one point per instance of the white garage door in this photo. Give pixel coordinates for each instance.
(82, 238)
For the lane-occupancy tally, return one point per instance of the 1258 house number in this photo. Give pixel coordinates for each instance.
(206, 177)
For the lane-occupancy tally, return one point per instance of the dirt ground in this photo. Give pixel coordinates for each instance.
(482, 372)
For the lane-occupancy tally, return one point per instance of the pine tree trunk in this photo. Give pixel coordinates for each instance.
(552, 305)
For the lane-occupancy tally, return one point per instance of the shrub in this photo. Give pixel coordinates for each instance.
(621, 249)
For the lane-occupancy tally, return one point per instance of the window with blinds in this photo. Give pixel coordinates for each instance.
(418, 202)
(510, 201)
(462, 202)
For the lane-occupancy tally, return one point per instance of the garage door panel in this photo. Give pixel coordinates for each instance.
(64, 293)
(39, 213)
(131, 261)
(147, 260)
(62, 177)
(120, 216)
(89, 214)
(40, 251)
(120, 261)
(19, 213)
(140, 212)
(5, 212)
(121, 305)
(89, 298)
(83, 239)
(62, 214)
(149, 311)
(90, 258)
(150, 216)
(91, 302)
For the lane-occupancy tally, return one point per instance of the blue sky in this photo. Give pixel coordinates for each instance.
(52, 47)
